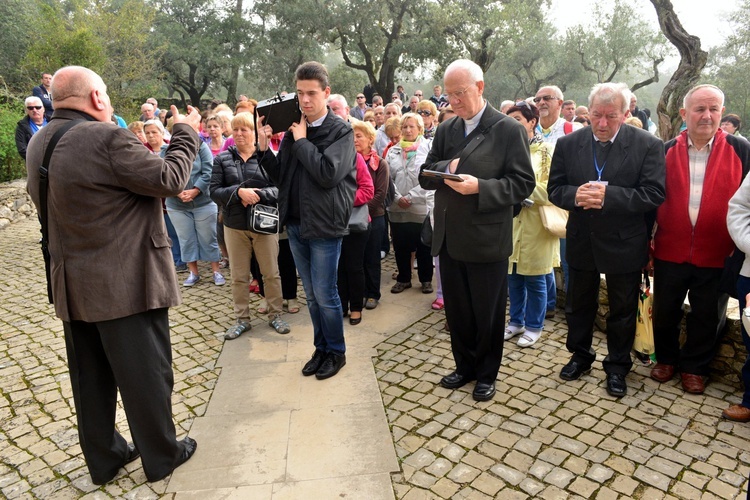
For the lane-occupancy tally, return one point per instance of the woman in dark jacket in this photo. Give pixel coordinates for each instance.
(238, 183)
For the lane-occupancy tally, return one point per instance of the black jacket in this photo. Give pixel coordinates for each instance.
(228, 173)
(23, 135)
(325, 163)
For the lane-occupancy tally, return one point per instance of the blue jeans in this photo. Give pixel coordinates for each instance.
(549, 280)
(196, 229)
(317, 263)
(528, 300)
(743, 288)
(176, 256)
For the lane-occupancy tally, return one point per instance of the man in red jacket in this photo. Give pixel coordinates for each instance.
(704, 169)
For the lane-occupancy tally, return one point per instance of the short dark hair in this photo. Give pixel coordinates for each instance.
(569, 102)
(733, 119)
(312, 70)
(528, 110)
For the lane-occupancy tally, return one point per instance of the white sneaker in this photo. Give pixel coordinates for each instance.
(512, 331)
(528, 339)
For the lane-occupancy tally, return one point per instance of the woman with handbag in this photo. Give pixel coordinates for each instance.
(534, 248)
(351, 270)
(238, 183)
(410, 206)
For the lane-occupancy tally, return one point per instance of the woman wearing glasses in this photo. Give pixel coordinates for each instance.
(428, 111)
(535, 249)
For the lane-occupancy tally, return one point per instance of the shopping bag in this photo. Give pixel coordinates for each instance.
(644, 329)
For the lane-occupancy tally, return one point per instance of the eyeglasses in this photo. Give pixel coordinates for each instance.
(360, 97)
(546, 98)
(418, 95)
(459, 94)
(33, 107)
(424, 112)
(523, 104)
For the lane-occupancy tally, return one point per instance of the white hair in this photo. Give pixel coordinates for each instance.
(608, 92)
(31, 100)
(475, 72)
(338, 98)
(156, 123)
(555, 90)
(705, 86)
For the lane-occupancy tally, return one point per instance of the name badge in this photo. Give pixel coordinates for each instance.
(603, 183)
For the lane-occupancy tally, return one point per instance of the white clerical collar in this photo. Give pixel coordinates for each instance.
(471, 123)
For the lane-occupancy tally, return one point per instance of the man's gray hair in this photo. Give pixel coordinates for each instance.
(555, 90)
(475, 72)
(608, 92)
(703, 86)
(339, 98)
(392, 105)
(32, 100)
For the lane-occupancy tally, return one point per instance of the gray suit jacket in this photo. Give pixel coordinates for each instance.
(479, 227)
(615, 238)
(110, 254)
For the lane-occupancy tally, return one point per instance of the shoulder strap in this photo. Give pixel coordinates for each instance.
(43, 184)
(478, 130)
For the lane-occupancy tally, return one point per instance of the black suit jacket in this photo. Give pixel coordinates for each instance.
(479, 227)
(615, 238)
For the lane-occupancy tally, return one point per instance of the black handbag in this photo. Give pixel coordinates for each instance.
(425, 234)
(263, 219)
(359, 221)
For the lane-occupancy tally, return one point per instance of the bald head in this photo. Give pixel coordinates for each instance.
(79, 88)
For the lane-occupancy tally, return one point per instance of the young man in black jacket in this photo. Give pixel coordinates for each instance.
(316, 175)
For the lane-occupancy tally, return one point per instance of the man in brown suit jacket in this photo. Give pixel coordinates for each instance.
(112, 274)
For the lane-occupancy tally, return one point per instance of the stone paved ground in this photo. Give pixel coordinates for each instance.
(539, 437)
(542, 437)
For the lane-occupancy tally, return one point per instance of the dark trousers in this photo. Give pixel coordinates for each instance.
(406, 239)
(475, 298)
(372, 258)
(351, 274)
(743, 288)
(580, 310)
(704, 322)
(385, 242)
(287, 271)
(132, 354)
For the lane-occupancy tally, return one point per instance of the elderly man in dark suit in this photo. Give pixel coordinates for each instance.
(608, 176)
(112, 276)
(473, 222)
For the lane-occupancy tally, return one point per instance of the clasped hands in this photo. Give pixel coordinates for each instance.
(590, 195)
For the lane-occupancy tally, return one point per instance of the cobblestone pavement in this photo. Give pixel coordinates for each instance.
(539, 437)
(542, 437)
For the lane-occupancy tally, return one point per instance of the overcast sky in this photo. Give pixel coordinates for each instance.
(707, 20)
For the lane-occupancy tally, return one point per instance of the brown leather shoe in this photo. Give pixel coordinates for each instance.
(694, 384)
(662, 373)
(737, 413)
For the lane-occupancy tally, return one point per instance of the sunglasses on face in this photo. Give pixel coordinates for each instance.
(424, 112)
(33, 107)
(360, 97)
(546, 98)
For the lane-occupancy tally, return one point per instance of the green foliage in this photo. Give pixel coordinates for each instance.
(347, 82)
(17, 22)
(12, 165)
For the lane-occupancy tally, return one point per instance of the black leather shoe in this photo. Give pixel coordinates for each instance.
(313, 365)
(573, 370)
(483, 392)
(455, 380)
(331, 365)
(190, 446)
(616, 386)
(132, 454)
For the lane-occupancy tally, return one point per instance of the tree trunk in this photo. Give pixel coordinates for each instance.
(692, 62)
(234, 75)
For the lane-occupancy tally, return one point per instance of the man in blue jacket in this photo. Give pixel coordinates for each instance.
(316, 175)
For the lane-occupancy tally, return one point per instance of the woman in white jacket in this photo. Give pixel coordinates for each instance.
(410, 206)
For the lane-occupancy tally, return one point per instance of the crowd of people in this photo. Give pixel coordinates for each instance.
(461, 191)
